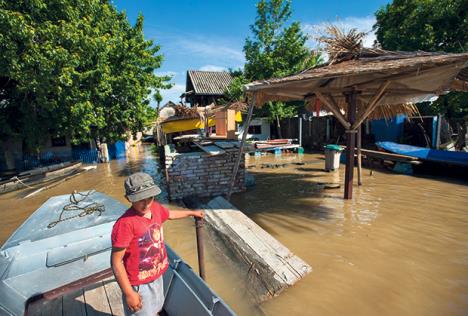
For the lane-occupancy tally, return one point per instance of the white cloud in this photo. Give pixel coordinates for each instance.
(212, 68)
(362, 24)
(211, 49)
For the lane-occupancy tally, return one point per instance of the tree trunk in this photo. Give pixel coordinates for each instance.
(278, 127)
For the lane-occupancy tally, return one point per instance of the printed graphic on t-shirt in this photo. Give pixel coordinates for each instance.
(153, 258)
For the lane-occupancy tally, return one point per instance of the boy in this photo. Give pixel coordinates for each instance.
(139, 257)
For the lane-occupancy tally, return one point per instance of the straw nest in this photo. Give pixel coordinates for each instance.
(182, 111)
(238, 106)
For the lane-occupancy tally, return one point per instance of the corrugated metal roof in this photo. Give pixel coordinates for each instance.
(209, 82)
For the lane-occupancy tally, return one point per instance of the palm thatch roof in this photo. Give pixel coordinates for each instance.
(393, 80)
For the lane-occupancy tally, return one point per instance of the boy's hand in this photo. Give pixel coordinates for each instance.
(134, 301)
(199, 214)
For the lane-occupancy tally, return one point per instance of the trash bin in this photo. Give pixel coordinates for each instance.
(332, 157)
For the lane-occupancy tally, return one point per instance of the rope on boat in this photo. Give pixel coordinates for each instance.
(75, 199)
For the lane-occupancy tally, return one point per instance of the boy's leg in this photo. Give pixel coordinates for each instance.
(152, 295)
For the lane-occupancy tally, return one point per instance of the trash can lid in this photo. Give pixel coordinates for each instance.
(334, 147)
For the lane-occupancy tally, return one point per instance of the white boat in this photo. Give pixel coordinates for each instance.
(65, 245)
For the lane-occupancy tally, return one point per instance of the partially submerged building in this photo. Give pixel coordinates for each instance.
(196, 162)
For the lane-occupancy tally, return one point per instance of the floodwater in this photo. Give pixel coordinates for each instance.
(400, 247)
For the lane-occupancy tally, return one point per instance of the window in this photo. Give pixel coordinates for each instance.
(255, 129)
(58, 141)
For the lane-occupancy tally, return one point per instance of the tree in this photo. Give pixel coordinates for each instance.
(74, 68)
(277, 49)
(158, 98)
(429, 25)
(235, 90)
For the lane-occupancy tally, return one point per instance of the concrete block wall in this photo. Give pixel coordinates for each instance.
(200, 174)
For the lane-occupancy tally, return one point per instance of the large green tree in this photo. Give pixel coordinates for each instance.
(73, 67)
(277, 48)
(429, 25)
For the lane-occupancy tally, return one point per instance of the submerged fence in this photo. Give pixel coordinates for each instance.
(116, 151)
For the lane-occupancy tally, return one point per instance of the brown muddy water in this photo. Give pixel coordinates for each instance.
(400, 247)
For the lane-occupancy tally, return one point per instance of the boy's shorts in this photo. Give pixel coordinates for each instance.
(152, 295)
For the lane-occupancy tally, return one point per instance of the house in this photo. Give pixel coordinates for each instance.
(54, 149)
(205, 87)
(259, 129)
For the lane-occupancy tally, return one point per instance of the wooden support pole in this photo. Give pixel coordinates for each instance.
(300, 130)
(332, 106)
(241, 147)
(199, 223)
(349, 172)
(374, 102)
(359, 155)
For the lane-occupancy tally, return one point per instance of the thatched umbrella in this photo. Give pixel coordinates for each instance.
(361, 82)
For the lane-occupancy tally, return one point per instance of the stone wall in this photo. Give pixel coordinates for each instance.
(200, 174)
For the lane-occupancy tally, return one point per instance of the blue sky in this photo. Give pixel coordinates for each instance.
(210, 34)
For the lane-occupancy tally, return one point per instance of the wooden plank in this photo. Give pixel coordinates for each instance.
(63, 171)
(390, 156)
(74, 304)
(269, 266)
(114, 296)
(385, 154)
(96, 300)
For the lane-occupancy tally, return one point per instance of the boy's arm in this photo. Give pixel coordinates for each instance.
(185, 213)
(133, 298)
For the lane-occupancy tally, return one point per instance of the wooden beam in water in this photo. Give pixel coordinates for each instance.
(269, 266)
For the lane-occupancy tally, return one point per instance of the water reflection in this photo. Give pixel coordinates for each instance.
(108, 178)
(397, 248)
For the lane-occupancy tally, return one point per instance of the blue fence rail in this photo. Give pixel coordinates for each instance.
(86, 155)
(116, 151)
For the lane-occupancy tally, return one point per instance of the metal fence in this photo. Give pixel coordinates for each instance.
(116, 151)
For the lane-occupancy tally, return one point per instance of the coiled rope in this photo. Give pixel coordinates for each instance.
(75, 199)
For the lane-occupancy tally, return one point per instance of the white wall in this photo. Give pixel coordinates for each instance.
(265, 129)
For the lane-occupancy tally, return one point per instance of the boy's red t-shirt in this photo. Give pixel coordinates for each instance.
(145, 257)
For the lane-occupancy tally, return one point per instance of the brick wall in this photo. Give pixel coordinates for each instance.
(198, 173)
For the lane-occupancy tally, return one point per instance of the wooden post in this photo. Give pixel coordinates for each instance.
(200, 247)
(349, 172)
(241, 147)
(358, 152)
(439, 125)
(300, 129)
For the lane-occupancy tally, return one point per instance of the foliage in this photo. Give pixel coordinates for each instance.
(277, 49)
(73, 67)
(428, 25)
(235, 90)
